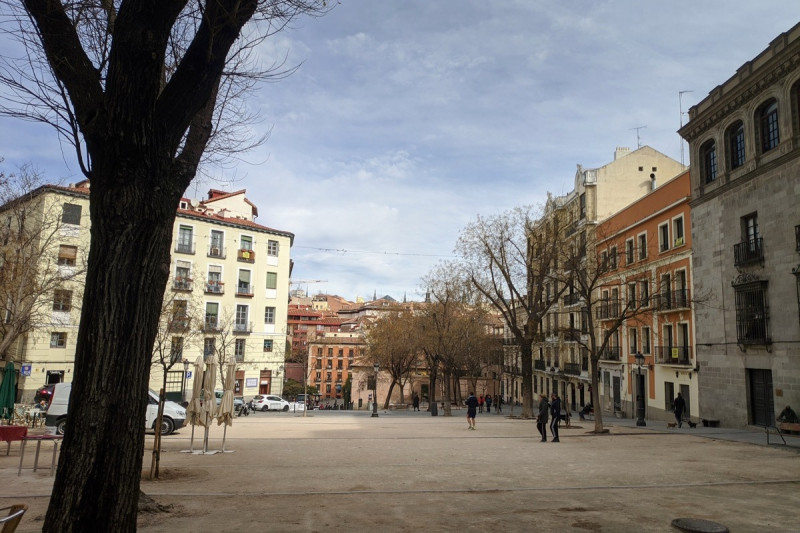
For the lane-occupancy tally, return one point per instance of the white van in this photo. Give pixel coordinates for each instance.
(55, 420)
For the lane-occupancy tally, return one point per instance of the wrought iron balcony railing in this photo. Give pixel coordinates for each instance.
(673, 355)
(750, 251)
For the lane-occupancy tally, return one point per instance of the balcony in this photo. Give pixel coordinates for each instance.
(572, 299)
(510, 341)
(216, 251)
(610, 353)
(607, 310)
(244, 291)
(180, 323)
(182, 284)
(538, 364)
(184, 248)
(242, 327)
(672, 300)
(572, 335)
(211, 324)
(748, 252)
(215, 287)
(248, 256)
(572, 368)
(673, 355)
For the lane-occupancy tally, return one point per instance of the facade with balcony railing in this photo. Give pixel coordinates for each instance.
(598, 194)
(645, 304)
(746, 237)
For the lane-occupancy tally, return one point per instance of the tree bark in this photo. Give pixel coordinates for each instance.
(128, 271)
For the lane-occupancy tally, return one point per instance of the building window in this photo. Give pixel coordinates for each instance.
(663, 237)
(644, 292)
(629, 252)
(632, 303)
(238, 350)
(216, 247)
(768, 126)
(612, 258)
(67, 255)
(646, 340)
(62, 300)
(736, 155)
(58, 339)
(642, 246)
(708, 156)
(214, 284)
(209, 348)
(272, 248)
(268, 346)
(176, 350)
(633, 340)
(269, 315)
(212, 313)
(272, 280)
(677, 231)
(243, 288)
(71, 214)
(241, 323)
(182, 280)
(185, 243)
(750, 249)
(752, 313)
(245, 242)
(582, 202)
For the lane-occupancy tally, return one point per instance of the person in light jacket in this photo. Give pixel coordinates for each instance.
(541, 418)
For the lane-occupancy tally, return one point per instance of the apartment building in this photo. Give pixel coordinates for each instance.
(304, 321)
(646, 305)
(562, 362)
(744, 143)
(332, 358)
(226, 270)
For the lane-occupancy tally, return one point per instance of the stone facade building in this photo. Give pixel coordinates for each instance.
(744, 140)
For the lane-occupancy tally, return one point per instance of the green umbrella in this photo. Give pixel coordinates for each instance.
(7, 392)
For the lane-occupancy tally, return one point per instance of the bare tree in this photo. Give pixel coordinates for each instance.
(509, 259)
(178, 329)
(39, 272)
(136, 86)
(393, 343)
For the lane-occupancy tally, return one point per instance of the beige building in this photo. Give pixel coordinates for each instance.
(562, 362)
(226, 299)
(745, 167)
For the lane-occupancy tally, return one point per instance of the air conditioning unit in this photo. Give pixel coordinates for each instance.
(215, 251)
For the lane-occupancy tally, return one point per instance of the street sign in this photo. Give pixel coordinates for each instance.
(25, 370)
(188, 374)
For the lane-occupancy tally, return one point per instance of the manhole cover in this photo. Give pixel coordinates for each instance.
(699, 525)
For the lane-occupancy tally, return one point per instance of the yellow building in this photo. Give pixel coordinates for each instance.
(226, 299)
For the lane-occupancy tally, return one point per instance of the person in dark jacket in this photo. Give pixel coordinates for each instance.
(472, 408)
(415, 401)
(541, 418)
(488, 402)
(555, 415)
(680, 407)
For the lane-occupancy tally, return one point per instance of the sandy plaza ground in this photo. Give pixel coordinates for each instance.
(406, 471)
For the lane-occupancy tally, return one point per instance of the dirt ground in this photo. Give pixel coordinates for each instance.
(342, 471)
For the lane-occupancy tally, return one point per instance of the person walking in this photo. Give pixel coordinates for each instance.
(415, 401)
(480, 403)
(499, 404)
(489, 403)
(541, 418)
(680, 407)
(555, 415)
(472, 407)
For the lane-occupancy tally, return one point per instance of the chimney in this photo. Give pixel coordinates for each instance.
(621, 152)
(653, 181)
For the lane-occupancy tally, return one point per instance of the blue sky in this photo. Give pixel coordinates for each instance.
(407, 119)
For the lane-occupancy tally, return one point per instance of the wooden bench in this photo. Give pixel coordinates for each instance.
(789, 427)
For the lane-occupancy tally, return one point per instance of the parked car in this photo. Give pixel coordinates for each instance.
(269, 402)
(44, 393)
(238, 401)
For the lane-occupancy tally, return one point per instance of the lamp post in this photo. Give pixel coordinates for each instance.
(639, 392)
(375, 367)
(183, 383)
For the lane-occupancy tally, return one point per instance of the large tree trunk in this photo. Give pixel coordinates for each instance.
(97, 485)
(526, 360)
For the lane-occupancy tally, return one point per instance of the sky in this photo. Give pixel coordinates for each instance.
(406, 120)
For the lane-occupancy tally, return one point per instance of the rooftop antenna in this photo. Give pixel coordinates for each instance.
(680, 106)
(638, 141)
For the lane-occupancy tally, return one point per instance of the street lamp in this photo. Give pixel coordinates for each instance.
(640, 392)
(375, 367)
(183, 384)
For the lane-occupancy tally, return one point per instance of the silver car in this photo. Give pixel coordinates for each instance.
(269, 402)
